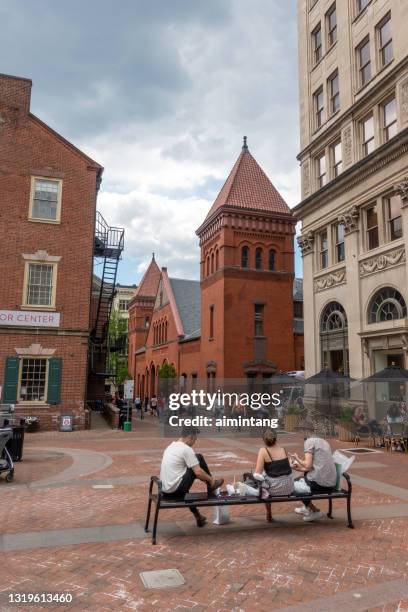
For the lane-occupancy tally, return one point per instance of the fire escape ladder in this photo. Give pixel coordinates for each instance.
(109, 242)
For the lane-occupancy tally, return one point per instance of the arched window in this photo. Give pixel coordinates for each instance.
(387, 305)
(272, 254)
(217, 262)
(258, 259)
(212, 263)
(245, 257)
(208, 265)
(334, 338)
(333, 318)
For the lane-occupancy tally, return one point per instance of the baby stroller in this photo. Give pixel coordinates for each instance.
(6, 462)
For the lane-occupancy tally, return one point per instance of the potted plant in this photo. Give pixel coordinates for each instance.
(345, 425)
(292, 417)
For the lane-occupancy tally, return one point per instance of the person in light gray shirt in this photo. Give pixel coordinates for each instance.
(319, 473)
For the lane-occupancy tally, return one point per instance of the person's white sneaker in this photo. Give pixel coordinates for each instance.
(302, 510)
(313, 516)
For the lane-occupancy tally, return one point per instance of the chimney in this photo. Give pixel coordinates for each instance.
(15, 93)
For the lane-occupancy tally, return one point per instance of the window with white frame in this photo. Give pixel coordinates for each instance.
(45, 204)
(334, 92)
(393, 216)
(361, 4)
(372, 229)
(337, 158)
(385, 41)
(317, 43)
(387, 305)
(33, 380)
(331, 19)
(323, 250)
(40, 284)
(339, 239)
(364, 61)
(389, 116)
(321, 170)
(367, 135)
(318, 102)
(123, 304)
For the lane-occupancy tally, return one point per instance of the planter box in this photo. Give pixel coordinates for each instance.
(291, 421)
(346, 432)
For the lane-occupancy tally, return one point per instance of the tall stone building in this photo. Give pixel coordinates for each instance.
(353, 74)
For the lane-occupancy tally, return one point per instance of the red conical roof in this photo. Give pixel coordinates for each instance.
(248, 187)
(150, 281)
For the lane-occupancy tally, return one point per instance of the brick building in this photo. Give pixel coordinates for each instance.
(244, 318)
(48, 191)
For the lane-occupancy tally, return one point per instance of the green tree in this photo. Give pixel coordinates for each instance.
(167, 379)
(118, 348)
(167, 370)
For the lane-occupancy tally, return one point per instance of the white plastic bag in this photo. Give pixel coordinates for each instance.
(248, 490)
(221, 515)
(301, 486)
(344, 462)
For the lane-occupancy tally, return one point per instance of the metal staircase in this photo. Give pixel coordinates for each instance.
(108, 246)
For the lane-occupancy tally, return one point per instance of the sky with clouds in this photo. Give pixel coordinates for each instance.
(160, 92)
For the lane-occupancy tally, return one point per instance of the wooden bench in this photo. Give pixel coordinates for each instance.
(164, 503)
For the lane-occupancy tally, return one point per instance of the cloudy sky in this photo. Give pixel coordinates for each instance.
(160, 92)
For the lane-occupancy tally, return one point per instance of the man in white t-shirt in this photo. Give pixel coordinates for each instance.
(181, 466)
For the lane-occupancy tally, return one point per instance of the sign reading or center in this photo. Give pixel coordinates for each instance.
(28, 318)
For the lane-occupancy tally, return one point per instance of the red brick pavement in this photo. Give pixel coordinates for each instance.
(224, 570)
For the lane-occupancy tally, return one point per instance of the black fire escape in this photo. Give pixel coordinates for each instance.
(109, 242)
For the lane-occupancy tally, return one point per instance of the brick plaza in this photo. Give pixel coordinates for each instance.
(73, 522)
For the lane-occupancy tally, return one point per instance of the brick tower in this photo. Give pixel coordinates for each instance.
(247, 273)
(141, 310)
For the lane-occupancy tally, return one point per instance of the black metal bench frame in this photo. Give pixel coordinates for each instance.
(164, 503)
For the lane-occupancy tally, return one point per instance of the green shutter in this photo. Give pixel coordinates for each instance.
(11, 380)
(54, 380)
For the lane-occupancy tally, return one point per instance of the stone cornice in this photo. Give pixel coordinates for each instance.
(356, 174)
(246, 220)
(41, 256)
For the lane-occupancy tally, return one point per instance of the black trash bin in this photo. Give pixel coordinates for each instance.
(16, 443)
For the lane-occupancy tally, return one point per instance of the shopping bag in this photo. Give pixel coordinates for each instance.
(301, 486)
(221, 515)
(343, 464)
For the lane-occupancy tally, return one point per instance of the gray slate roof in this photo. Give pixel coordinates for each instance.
(298, 290)
(188, 298)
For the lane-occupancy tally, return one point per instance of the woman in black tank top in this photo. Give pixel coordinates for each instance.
(273, 464)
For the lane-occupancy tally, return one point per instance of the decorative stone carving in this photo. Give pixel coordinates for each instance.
(350, 220)
(35, 350)
(305, 242)
(41, 256)
(402, 190)
(386, 260)
(348, 145)
(330, 280)
(306, 177)
(404, 102)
